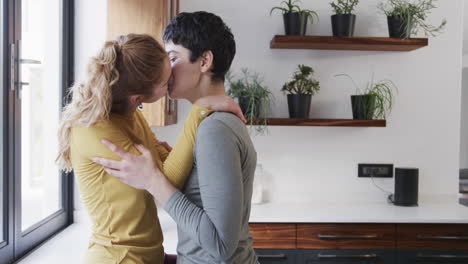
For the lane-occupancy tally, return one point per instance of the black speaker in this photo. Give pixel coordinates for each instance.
(406, 186)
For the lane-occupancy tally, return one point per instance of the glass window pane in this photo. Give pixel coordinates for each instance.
(40, 105)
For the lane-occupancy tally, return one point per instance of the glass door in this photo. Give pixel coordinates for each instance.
(36, 199)
(6, 208)
(36, 51)
(42, 195)
(40, 96)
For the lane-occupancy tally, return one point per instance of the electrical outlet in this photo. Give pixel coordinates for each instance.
(376, 170)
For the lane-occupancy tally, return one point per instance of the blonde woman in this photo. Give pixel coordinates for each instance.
(131, 70)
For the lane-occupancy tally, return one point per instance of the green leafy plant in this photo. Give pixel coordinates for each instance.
(344, 7)
(302, 82)
(291, 6)
(382, 91)
(413, 15)
(253, 97)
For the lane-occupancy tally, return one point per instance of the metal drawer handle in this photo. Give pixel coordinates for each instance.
(424, 256)
(423, 237)
(347, 236)
(363, 256)
(279, 256)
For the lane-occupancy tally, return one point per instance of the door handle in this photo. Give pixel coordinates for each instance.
(13, 67)
(29, 61)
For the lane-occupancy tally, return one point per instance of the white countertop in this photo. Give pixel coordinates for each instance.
(436, 210)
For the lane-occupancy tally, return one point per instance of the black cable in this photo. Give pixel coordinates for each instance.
(390, 198)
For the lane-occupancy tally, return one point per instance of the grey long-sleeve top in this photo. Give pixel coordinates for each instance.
(212, 213)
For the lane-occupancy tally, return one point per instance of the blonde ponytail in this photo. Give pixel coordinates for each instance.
(91, 100)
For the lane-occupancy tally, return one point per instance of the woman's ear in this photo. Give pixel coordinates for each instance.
(206, 62)
(136, 100)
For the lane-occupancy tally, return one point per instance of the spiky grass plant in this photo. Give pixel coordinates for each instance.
(256, 97)
(382, 91)
(413, 15)
(292, 6)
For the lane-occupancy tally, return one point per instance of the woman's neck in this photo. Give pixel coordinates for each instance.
(123, 108)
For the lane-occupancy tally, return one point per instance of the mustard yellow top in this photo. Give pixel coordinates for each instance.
(125, 226)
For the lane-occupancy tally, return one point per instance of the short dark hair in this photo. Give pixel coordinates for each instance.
(200, 32)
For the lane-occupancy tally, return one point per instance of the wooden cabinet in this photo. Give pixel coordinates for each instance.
(313, 256)
(281, 236)
(346, 236)
(347, 256)
(361, 243)
(432, 257)
(432, 236)
(149, 17)
(276, 256)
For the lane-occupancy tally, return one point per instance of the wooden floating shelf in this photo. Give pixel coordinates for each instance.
(347, 43)
(325, 122)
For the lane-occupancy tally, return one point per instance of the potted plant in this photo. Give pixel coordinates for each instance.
(406, 18)
(375, 101)
(295, 18)
(253, 98)
(343, 20)
(300, 91)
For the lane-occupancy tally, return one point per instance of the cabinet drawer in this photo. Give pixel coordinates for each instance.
(345, 256)
(432, 256)
(281, 236)
(346, 236)
(432, 236)
(276, 256)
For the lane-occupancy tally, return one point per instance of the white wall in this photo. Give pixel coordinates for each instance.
(465, 36)
(313, 163)
(465, 30)
(90, 32)
(464, 120)
(464, 106)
